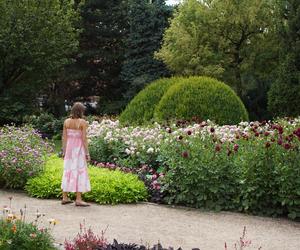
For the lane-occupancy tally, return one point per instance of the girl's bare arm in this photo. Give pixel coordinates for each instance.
(64, 138)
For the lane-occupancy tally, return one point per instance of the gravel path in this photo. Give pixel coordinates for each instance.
(148, 223)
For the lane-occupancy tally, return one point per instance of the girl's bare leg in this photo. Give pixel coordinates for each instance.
(65, 196)
(79, 201)
(78, 197)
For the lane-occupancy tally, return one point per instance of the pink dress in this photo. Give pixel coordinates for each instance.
(75, 176)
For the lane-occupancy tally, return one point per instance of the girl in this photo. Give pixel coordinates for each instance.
(76, 154)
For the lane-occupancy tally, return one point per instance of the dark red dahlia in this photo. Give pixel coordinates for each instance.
(297, 132)
(268, 144)
(218, 147)
(185, 154)
(236, 147)
(287, 146)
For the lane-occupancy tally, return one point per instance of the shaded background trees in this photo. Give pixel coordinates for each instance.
(57, 52)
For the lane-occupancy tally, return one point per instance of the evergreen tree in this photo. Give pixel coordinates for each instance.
(284, 95)
(147, 22)
(97, 66)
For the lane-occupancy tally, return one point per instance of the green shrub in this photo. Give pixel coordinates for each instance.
(201, 97)
(22, 155)
(26, 236)
(46, 124)
(108, 187)
(140, 109)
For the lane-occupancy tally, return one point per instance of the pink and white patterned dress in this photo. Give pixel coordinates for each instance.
(75, 177)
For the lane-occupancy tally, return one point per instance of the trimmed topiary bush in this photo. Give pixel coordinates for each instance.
(108, 187)
(140, 109)
(201, 97)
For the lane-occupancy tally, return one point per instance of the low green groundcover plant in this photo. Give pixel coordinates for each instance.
(108, 187)
(22, 155)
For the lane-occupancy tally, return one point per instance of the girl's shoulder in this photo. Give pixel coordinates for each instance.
(83, 122)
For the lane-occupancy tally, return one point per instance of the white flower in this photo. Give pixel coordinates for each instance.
(150, 150)
(127, 151)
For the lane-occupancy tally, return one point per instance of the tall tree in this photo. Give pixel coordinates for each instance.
(215, 38)
(102, 49)
(284, 95)
(147, 21)
(36, 40)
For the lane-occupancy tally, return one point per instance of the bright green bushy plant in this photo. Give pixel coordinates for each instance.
(201, 97)
(140, 110)
(22, 155)
(108, 187)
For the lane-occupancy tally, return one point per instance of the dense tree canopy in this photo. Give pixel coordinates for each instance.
(36, 41)
(284, 95)
(147, 21)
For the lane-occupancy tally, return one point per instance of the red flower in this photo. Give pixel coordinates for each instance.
(256, 134)
(287, 146)
(297, 133)
(185, 154)
(268, 144)
(236, 147)
(280, 129)
(267, 133)
(218, 147)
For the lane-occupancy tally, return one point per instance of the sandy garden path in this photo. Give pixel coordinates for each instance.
(149, 223)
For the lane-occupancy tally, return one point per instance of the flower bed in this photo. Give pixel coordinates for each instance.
(251, 167)
(22, 155)
(16, 233)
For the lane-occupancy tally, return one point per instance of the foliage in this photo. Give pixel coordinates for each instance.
(107, 187)
(141, 109)
(16, 233)
(253, 172)
(233, 41)
(27, 61)
(251, 167)
(284, 93)
(139, 67)
(46, 124)
(201, 97)
(97, 65)
(22, 155)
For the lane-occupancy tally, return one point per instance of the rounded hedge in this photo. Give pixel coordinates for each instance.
(140, 110)
(108, 187)
(202, 97)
